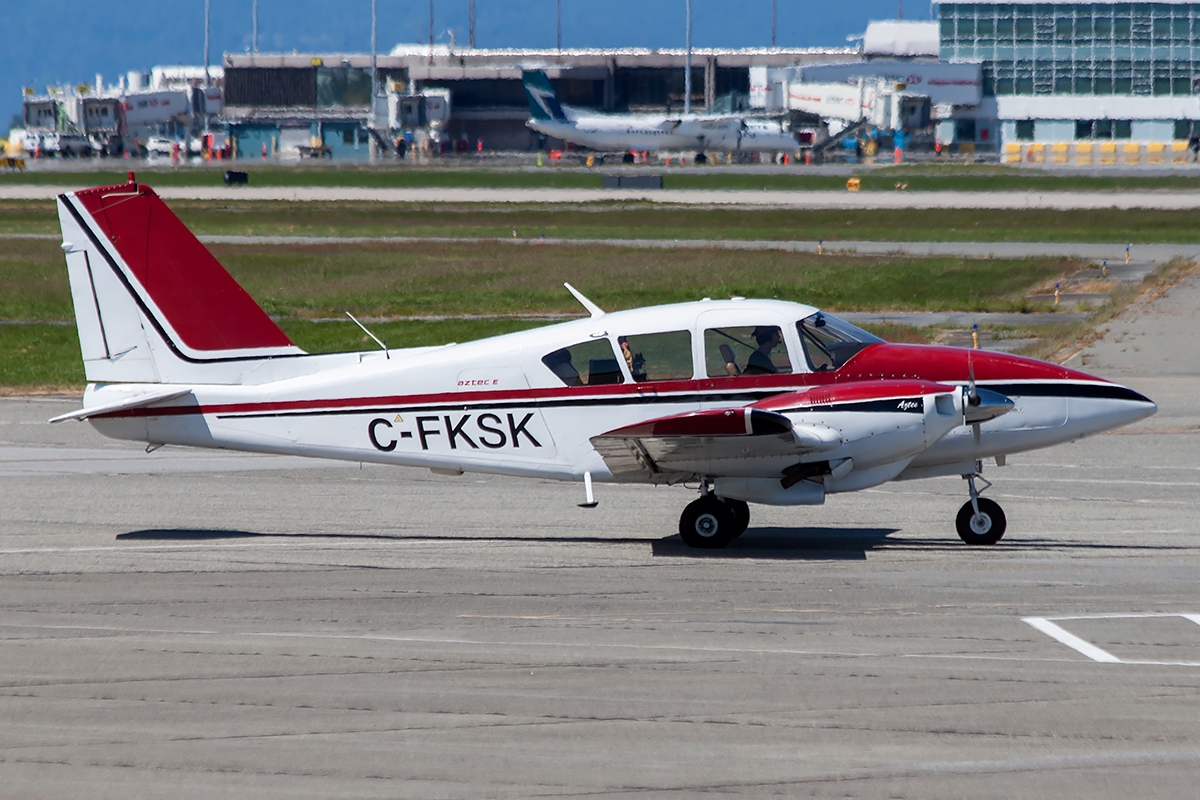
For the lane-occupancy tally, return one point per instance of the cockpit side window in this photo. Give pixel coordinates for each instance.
(589, 363)
(830, 342)
(748, 350)
(658, 356)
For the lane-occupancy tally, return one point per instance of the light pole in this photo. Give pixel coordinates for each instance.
(471, 25)
(255, 27)
(207, 79)
(774, 10)
(207, 75)
(687, 64)
(558, 26)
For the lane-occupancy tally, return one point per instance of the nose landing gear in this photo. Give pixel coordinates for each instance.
(712, 523)
(980, 521)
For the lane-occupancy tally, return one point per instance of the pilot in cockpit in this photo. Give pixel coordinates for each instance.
(767, 337)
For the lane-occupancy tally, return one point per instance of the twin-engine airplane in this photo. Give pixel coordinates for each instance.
(728, 133)
(750, 401)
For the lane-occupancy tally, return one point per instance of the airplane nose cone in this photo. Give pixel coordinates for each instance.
(1143, 406)
(1105, 406)
(985, 404)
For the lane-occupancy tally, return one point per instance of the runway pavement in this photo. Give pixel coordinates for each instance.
(1164, 200)
(181, 625)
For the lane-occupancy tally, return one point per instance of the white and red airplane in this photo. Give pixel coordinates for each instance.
(751, 401)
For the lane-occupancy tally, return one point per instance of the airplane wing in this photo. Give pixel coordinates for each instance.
(721, 441)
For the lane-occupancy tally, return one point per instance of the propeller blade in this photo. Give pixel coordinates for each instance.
(972, 391)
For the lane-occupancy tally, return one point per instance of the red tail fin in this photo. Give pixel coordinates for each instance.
(201, 303)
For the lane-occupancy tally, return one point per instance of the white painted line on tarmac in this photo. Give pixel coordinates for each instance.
(440, 640)
(1135, 615)
(1105, 481)
(1071, 640)
(1047, 626)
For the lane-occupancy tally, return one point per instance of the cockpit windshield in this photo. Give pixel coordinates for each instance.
(830, 342)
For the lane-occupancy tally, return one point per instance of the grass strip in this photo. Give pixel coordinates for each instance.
(489, 278)
(1061, 342)
(621, 221)
(40, 357)
(431, 279)
(469, 174)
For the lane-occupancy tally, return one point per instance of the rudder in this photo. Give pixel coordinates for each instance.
(151, 303)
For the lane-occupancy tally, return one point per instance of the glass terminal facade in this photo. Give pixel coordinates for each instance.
(1069, 71)
(1076, 48)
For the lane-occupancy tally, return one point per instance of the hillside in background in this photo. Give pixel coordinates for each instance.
(56, 41)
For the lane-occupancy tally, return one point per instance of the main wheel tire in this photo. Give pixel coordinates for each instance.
(627, 158)
(701, 158)
(986, 527)
(707, 523)
(741, 515)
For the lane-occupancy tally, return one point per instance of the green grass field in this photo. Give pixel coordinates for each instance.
(390, 280)
(604, 221)
(299, 285)
(456, 173)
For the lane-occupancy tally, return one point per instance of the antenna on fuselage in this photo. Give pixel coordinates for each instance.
(368, 333)
(592, 308)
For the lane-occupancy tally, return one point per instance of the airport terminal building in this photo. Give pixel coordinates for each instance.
(1055, 82)
(1068, 72)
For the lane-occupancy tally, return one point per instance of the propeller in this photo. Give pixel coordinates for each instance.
(980, 405)
(973, 399)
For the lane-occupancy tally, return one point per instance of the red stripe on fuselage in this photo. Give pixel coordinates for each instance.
(890, 371)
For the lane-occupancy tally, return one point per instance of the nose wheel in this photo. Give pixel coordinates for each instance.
(711, 523)
(980, 521)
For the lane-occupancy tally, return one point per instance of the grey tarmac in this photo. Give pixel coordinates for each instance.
(179, 624)
(747, 198)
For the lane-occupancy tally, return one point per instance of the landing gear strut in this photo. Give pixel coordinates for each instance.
(980, 521)
(711, 522)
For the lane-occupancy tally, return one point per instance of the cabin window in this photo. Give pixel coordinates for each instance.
(658, 356)
(830, 342)
(589, 363)
(746, 350)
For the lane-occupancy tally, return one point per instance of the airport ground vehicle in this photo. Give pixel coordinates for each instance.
(748, 401)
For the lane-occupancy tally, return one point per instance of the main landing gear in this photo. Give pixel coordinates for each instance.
(980, 521)
(711, 522)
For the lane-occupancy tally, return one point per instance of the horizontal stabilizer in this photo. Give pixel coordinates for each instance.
(123, 405)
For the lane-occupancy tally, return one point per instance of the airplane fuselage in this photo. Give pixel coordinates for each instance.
(659, 132)
(494, 406)
(759, 401)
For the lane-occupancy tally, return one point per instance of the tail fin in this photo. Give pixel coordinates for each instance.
(540, 94)
(151, 303)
